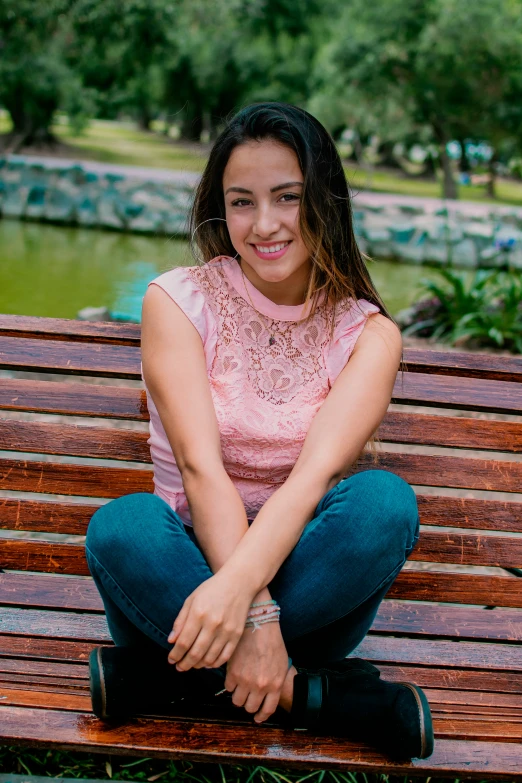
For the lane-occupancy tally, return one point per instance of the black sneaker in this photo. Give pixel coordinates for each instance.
(349, 699)
(128, 681)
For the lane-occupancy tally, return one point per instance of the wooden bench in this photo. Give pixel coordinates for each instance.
(434, 629)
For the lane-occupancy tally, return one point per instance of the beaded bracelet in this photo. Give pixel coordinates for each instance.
(261, 613)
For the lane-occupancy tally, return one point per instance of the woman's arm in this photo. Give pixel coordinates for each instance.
(347, 419)
(174, 369)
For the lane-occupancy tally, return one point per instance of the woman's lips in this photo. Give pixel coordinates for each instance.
(271, 256)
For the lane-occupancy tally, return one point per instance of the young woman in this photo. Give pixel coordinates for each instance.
(257, 564)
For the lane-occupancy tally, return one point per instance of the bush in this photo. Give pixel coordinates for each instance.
(485, 311)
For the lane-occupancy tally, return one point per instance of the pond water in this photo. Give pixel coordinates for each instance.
(51, 271)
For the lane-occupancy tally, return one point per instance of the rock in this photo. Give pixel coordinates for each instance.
(94, 314)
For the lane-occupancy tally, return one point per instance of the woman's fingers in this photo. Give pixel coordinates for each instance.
(213, 653)
(185, 640)
(196, 651)
(179, 622)
(254, 701)
(268, 707)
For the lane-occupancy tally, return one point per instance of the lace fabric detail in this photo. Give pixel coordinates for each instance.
(266, 392)
(265, 395)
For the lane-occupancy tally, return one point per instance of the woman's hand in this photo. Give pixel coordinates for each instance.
(210, 624)
(257, 670)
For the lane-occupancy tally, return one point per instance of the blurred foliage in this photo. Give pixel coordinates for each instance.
(418, 71)
(484, 311)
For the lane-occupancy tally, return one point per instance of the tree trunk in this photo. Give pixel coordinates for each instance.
(192, 126)
(465, 165)
(449, 184)
(491, 188)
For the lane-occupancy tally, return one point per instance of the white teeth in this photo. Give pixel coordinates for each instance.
(272, 248)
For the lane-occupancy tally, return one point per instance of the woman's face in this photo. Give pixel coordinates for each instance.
(262, 185)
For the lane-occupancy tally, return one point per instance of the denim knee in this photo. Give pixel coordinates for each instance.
(392, 514)
(115, 526)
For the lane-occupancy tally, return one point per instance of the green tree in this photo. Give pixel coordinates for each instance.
(448, 65)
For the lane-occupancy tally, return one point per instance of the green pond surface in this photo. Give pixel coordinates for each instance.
(51, 271)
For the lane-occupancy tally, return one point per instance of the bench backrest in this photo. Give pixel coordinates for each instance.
(50, 485)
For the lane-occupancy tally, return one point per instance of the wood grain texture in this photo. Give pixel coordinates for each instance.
(445, 391)
(452, 431)
(35, 555)
(248, 744)
(45, 516)
(67, 479)
(44, 669)
(73, 399)
(54, 625)
(394, 617)
(454, 654)
(43, 699)
(43, 649)
(470, 365)
(70, 358)
(484, 681)
(446, 511)
(469, 549)
(444, 471)
(66, 329)
(74, 440)
(457, 588)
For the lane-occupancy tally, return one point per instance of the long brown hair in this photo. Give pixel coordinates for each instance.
(325, 215)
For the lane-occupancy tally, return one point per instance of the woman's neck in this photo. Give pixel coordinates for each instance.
(289, 292)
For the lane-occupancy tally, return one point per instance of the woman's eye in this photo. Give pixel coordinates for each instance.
(240, 202)
(289, 197)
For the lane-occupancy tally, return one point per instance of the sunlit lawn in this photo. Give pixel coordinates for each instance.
(120, 142)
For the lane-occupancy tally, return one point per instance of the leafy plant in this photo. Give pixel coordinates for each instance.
(485, 310)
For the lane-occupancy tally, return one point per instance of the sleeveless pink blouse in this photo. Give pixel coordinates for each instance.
(265, 393)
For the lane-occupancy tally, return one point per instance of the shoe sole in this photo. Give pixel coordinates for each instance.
(426, 724)
(97, 684)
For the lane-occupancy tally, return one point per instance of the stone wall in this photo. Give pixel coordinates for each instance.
(152, 201)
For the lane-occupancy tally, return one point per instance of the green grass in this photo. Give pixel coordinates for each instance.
(53, 763)
(111, 142)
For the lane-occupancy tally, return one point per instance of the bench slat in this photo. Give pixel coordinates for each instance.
(471, 365)
(74, 440)
(72, 518)
(45, 516)
(109, 482)
(124, 444)
(446, 391)
(466, 679)
(56, 649)
(411, 584)
(71, 358)
(44, 669)
(50, 700)
(411, 619)
(73, 399)
(452, 431)
(67, 329)
(247, 744)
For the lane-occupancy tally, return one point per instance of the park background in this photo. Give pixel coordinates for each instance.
(423, 98)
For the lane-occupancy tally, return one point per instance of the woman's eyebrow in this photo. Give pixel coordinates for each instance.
(272, 190)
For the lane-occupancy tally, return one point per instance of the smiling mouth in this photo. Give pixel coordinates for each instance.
(270, 249)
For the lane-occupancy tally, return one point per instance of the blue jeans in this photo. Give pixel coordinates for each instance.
(145, 563)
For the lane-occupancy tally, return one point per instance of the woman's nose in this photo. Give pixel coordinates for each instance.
(266, 222)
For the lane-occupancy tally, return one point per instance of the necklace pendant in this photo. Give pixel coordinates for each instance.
(271, 340)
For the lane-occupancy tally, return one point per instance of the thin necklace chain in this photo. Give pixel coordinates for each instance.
(271, 339)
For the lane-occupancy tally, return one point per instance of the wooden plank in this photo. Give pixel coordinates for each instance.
(43, 649)
(70, 358)
(451, 431)
(55, 625)
(43, 669)
(444, 471)
(485, 681)
(470, 365)
(479, 730)
(22, 680)
(440, 652)
(463, 393)
(247, 743)
(52, 557)
(447, 511)
(45, 516)
(48, 700)
(49, 591)
(73, 399)
(66, 329)
(469, 549)
(460, 588)
(453, 698)
(463, 622)
(74, 440)
(65, 479)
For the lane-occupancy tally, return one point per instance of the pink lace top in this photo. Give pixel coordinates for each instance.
(265, 391)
